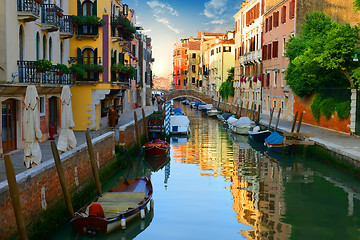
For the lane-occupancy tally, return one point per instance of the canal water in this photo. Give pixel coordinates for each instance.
(218, 185)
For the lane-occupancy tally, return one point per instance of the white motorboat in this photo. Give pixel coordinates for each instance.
(179, 124)
(213, 112)
(242, 126)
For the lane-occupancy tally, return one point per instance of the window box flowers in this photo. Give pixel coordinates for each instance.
(43, 65)
(77, 70)
(94, 68)
(88, 21)
(62, 69)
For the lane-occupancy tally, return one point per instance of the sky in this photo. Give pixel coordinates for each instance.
(169, 21)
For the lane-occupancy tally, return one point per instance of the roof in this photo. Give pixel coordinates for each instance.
(194, 45)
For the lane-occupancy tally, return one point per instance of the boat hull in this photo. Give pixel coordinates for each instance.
(156, 151)
(86, 224)
(278, 148)
(259, 136)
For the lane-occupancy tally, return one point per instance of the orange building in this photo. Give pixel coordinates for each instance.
(179, 64)
(161, 83)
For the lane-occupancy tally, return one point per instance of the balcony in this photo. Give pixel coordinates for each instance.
(66, 27)
(122, 29)
(123, 74)
(87, 31)
(28, 10)
(91, 67)
(29, 74)
(50, 17)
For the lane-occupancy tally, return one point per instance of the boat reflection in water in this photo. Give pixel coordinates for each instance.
(156, 163)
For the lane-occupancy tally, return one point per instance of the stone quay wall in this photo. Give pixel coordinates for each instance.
(40, 187)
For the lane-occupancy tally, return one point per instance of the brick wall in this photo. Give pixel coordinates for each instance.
(45, 176)
(127, 134)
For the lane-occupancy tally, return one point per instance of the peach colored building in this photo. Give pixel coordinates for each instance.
(179, 65)
(278, 26)
(161, 83)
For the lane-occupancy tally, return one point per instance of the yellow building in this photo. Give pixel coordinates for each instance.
(104, 36)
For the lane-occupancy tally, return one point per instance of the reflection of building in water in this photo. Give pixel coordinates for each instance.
(258, 197)
(167, 172)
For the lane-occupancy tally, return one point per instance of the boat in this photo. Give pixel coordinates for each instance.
(156, 148)
(213, 112)
(114, 208)
(242, 126)
(258, 135)
(179, 123)
(274, 142)
(205, 107)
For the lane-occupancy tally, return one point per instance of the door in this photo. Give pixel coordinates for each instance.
(53, 113)
(9, 125)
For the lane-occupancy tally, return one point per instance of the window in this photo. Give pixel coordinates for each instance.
(269, 51)
(200, 83)
(284, 43)
(274, 104)
(185, 51)
(264, 52)
(275, 79)
(266, 24)
(42, 106)
(44, 47)
(185, 81)
(21, 43)
(37, 46)
(275, 49)
(193, 68)
(212, 52)
(178, 82)
(292, 9)
(283, 14)
(61, 53)
(194, 55)
(270, 23)
(193, 80)
(227, 49)
(50, 49)
(282, 77)
(276, 19)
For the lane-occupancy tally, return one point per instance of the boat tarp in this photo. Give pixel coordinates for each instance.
(179, 120)
(274, 138)
(232, 120)
(226, 116)
(243, 121)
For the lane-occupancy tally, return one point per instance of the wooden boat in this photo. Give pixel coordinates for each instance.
(258, 135)
(274, 142)
(156, 148)
(112, 209)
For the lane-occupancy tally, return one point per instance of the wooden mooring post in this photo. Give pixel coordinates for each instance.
(15, 197)
(62, 179)
(145, 125)
(137, 129)
(246, 109)
(278, 118)
(92, 162)
(271, 116)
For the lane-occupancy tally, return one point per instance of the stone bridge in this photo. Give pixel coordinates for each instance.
(188, 93)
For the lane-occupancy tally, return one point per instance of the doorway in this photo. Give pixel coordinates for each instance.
(9, 125)
(53, 113)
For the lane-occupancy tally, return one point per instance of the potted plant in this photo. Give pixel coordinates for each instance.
(90, 20)
(43, 65)
(77, 70)
(94, 68)
(63, 69)
(117, 67)
(131, 71)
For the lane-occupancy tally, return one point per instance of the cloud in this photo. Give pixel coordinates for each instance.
(161, 13)
(215, 8)
(168, 25)
(160, 7)
(147, 31)
(220, 21)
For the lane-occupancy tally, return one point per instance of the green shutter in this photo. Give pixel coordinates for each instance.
(121, 58)
(79, 56)
(95, 56)
(95, 8)
(115, 53)
(79, 8)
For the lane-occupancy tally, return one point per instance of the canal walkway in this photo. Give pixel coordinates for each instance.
(338, 142)
(17, 156)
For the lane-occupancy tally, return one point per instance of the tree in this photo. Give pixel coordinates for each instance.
(356, 5)
(322, 55)
(226, 88)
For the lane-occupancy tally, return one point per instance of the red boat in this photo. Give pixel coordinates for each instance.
(113, 209)
(156, 148)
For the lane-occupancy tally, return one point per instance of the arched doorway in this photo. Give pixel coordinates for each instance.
(9, 125)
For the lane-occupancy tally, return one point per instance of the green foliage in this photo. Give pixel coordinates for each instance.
(94, 68)
(321, 55)
(356, 5)
(327, 107)
(78, 69)
(124, 23)
(315, 107)
(119, 67)
(44, 65)
(231, 72)
(343, 110)
(63, 68)
(226, 89)
(88, 20)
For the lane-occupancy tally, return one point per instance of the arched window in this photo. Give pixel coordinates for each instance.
(21, 43)
(89, 59)
(87, 8)
(44, 46)
(37, 46)
(50, 49)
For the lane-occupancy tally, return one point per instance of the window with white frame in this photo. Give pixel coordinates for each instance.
(283, 50)
(282, 104)
(282, 77)
(42, 106)
(275, 79)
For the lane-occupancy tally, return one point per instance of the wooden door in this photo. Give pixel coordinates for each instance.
(53, 112)
(9, 125)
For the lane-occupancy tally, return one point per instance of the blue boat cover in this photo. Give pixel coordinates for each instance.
(177, 110)
(197, 104)
(226, 116)
(274, 138)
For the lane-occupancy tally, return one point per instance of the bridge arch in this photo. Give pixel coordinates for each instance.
(189, 93)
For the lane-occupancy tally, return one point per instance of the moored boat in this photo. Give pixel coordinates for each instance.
(242, 126)
(258, 135)
(213, 112)
(156, 148)
(274, 142)
(114, 208)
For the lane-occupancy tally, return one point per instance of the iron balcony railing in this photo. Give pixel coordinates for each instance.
(85, 60)
(87, 30)
(51, 14)
(90, 76)
(122, 77)
(66, 25)
(29, 6)
(29, 74)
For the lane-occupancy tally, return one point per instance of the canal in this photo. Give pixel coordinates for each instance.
(218, 185)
